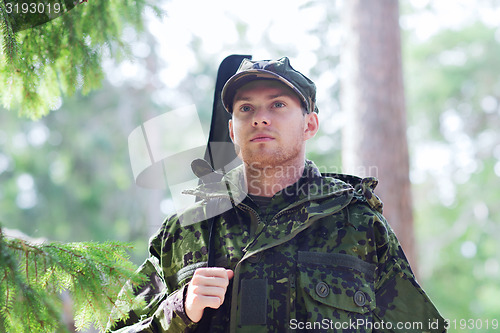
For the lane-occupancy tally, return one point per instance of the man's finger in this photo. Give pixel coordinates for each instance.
(212, 271)
(210, 281)
(213, 301)
(208, 291)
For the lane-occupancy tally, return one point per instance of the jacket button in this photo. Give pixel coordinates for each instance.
(255, 258)
(360, 298)
(322, 289)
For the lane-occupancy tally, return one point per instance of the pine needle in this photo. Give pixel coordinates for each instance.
(32, 277)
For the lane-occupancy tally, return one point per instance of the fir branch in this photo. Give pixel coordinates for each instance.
(9, 42)
(93, 273)
(64, 55)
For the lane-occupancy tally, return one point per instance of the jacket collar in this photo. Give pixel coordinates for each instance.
(309, 192)
(312, 185)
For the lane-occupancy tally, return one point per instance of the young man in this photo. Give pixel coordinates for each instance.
(298, 250)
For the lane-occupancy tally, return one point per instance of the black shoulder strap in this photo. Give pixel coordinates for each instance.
(218, 159)
(211, 207)
(218, 155)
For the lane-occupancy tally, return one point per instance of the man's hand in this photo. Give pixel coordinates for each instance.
(206, 290)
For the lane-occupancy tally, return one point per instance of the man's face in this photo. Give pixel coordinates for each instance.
(269, 124)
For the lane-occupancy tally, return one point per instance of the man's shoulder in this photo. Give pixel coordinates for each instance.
(364, 189)
(209, 199)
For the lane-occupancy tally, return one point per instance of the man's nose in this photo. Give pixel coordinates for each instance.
(261, 117)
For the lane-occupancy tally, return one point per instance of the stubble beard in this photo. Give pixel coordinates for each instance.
(258, 158)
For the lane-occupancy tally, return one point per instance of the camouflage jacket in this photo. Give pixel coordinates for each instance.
(326, 261)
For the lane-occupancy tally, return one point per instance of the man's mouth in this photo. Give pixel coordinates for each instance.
(261, 138)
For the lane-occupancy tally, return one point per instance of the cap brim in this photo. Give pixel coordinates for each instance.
(239, 80)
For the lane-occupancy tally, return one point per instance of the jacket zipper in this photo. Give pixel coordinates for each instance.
(259, 221)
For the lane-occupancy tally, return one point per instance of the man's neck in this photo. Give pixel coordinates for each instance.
(267, 180)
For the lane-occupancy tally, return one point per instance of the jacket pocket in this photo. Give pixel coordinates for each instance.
(336, 286)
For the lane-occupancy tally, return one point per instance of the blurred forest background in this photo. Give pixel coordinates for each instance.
(67, 176)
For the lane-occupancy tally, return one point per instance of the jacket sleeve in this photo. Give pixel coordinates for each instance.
(156, 307)
(402, 305)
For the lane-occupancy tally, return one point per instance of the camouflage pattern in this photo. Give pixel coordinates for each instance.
(324, 259)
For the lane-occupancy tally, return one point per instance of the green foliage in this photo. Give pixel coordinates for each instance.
(458, 74)
(37, 68)
(33, 275)
(83, 187)
(10, 45)
(41, 64)
(453, 103)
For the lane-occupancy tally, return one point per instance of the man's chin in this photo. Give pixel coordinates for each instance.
(267, 157)
(260, 159)
(265, 160)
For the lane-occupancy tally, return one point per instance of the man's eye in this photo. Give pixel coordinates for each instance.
(245, 108)
(279, 104)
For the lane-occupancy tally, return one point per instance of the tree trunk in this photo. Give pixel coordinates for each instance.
(372, 96)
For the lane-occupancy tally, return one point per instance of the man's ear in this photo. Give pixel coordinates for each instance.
(311, 125)
(231, 133)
